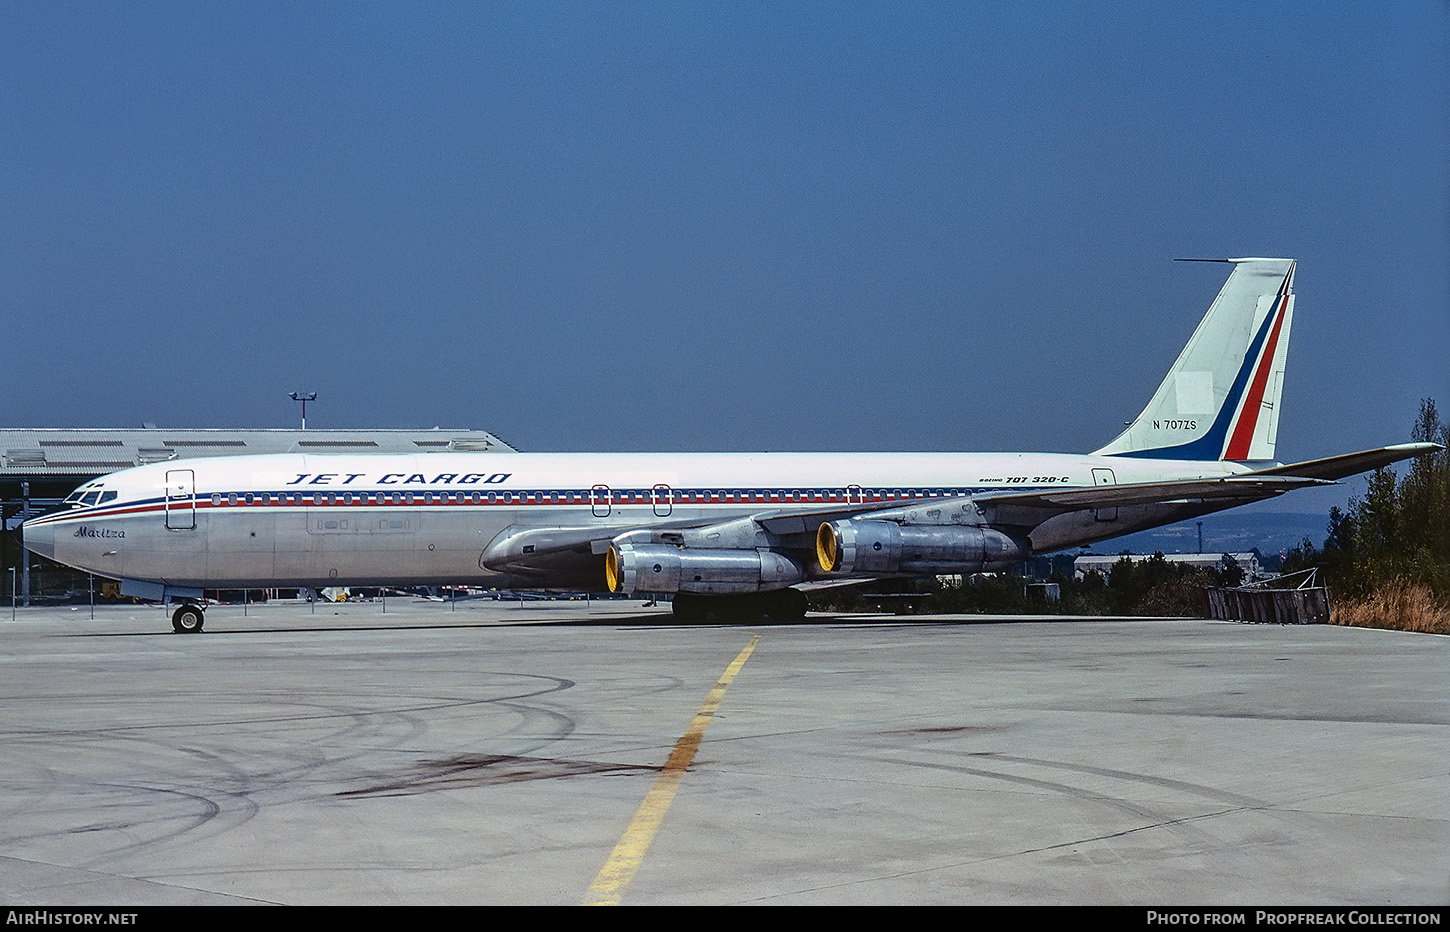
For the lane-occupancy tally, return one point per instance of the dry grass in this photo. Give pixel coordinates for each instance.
(1400, 605)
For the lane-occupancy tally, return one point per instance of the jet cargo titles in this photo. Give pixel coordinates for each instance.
(398, 478)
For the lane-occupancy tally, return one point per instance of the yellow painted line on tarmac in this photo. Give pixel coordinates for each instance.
(618, 871)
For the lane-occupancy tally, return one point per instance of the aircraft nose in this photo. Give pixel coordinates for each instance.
(39, 538)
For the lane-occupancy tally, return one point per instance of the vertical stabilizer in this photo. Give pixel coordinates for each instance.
(1220, 400)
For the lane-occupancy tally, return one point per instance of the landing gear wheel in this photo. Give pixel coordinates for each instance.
(188, 619)
(689, 608)
(787, 605)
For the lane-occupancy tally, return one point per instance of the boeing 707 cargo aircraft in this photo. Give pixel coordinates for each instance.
(736, 535)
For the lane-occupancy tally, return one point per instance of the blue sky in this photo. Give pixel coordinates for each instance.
(677, 226)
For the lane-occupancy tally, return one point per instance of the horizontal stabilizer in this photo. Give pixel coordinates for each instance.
(1348, 464)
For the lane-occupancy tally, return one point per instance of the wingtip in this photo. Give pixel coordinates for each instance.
(1233, 261)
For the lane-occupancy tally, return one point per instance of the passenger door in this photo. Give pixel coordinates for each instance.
(179, 502)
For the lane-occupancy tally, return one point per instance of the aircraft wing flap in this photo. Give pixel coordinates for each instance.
(823, 585)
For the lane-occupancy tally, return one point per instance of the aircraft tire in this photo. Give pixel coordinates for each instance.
(688, 607)
(188, 619)
(787, 605)
(783, 606)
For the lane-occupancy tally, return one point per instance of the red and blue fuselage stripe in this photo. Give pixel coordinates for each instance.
(613, 497)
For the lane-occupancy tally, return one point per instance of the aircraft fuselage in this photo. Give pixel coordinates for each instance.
(430, 519)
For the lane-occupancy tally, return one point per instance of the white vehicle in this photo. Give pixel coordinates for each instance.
(736, 534)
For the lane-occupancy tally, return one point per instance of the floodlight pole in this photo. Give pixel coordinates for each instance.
(304, 397)
(24, 551)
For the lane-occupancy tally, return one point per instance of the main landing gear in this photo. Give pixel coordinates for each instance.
(783, 606)
(188, 619)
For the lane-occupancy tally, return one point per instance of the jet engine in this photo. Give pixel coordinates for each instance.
(856, 546)
(630, 567)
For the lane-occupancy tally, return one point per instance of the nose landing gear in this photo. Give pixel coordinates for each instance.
(188, 619)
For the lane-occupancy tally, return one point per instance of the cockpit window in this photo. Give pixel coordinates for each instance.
(89, 495)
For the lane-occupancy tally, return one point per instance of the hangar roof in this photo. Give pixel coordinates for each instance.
(56, 460)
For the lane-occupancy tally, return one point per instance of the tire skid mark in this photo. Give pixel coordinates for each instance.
(428, 705)
(1199, 789)
(1153, 820)
(166, 803)
(189, 821)
(475, 770)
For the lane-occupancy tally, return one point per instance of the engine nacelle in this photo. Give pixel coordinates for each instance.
(632, 567)
(854, 546)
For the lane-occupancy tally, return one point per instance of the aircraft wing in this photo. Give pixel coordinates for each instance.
(574, 553)
(1029, 509)
(1054, 519)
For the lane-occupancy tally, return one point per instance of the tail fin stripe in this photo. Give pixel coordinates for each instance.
(1243, 433)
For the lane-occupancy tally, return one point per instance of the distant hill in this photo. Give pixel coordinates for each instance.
(1225, 533)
